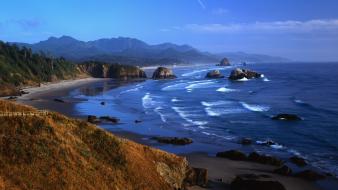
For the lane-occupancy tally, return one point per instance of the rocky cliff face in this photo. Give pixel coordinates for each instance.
(116, 71)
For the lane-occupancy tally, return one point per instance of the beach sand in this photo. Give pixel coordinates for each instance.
(43, 97)
(218, 168)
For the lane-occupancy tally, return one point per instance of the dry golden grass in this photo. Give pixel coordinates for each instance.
(57, 152)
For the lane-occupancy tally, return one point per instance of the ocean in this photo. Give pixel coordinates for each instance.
(217, 113)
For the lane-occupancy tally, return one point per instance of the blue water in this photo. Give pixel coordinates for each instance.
(217, 113)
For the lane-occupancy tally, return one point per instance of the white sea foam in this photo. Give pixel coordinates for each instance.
(148, 101)
(255, 108)
(266, 79)
(214, 111)
(243, 79)
(200, 85)
(277, 146)
(216, 103)
(175, 100)
(132, 90)
(299, 101)
(223, 89)
(178, 86)
(158, 111)
(186, 116)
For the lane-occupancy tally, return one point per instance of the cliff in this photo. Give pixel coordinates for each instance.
(56, 152)
(115, 71)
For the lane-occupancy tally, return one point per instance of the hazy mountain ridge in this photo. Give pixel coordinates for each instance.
(136, 52)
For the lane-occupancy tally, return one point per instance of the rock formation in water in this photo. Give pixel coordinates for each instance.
(116, 71)
(239, 74)
(214, 74)
(224, 62)
(163, 73)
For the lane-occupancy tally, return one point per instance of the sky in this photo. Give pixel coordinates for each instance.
(302, 30)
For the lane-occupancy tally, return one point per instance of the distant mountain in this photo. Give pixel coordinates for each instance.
(133, 51)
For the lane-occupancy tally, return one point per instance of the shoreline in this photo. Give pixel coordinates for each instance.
(34, 92)
(216, 166)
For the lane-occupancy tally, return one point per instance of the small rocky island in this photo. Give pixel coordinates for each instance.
(239, 74)
(215, 74)
(224, 62)
(163, 73)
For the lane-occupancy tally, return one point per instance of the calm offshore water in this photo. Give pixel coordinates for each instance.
(217, 113)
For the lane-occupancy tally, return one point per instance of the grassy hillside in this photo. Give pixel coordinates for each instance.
(56, 152)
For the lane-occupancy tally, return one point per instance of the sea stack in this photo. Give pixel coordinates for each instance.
(224, 62)
(163, 73)
(239, 74)
(214, 74)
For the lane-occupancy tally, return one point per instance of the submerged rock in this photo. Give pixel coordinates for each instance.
(214, 74)
(246, 141)
(232, 155)
(286, 117)
(301, 162)
(310, 175)
(93, 119)
(173, 140)
(264, 159)
(103, 103)
(59, 100)
(254, 182)
(224, 62)
(197, 176)
(239, 74)
(114, 120)
(284, 170)
(163, 73)
(137, 121)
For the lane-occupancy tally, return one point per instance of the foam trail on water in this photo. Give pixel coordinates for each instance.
(185, 115)
(158, 111)
(216, 103)
(255, 108)
(223, 89)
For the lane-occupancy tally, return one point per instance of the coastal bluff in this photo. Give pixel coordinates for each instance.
(115, 71)
(63, 153)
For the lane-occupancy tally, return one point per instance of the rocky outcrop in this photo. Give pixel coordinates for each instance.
(93, 119)
(284, 170)
(163, 73)
(239, 74)
(224, 62)
(115, 71)
(310, 175)
(113, 120)
(173, 140)
(245, 141)
(301, 162)
(197, 176)
(214, 74)
(286, 117)
(232, 155)
(254, 182)
(264, 159)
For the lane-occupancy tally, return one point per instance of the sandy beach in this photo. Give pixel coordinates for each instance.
(221, 171)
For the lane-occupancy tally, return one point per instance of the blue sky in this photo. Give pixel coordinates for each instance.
(297, 29)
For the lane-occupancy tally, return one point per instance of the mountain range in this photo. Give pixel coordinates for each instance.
(135, 52)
